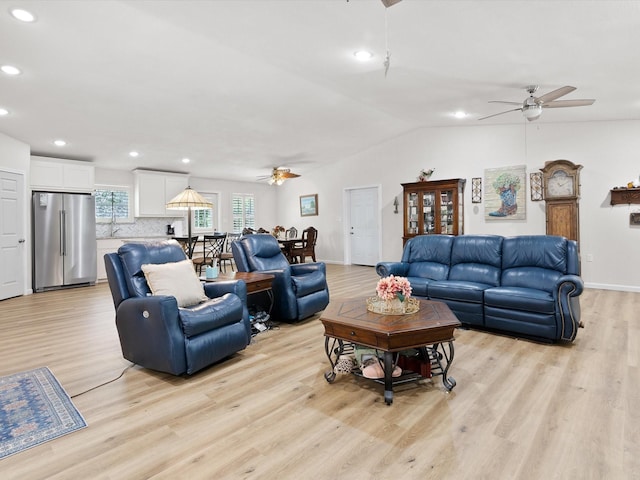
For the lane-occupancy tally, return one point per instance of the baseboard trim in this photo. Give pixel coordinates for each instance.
(606, 286)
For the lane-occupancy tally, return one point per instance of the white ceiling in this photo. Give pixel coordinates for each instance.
(241, 86)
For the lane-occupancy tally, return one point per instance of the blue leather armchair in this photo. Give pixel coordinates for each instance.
(299, 290)
(157, 334)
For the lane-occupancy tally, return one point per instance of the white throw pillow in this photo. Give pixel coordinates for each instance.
(177, 279)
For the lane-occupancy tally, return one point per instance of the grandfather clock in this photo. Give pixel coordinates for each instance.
(561, 195)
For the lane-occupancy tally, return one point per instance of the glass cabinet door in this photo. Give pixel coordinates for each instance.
(428, 212)
(446, 211)
(412, 212)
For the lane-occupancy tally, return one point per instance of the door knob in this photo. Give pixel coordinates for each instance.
(22, 240)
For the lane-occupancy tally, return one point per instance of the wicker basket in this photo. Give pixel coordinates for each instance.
(393, 307)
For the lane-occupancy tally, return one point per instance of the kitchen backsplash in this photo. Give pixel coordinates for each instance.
(142, 227)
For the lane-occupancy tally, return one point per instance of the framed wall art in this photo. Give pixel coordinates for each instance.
(308, 205)
(535, 185)
(504, 196)
(476, 190)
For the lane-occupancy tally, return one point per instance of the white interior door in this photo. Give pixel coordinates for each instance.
(364, 226)
(12, 242)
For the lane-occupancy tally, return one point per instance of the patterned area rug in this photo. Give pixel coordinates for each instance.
(34, 409)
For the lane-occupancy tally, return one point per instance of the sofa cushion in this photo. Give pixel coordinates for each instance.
(135, 254)
(419, 286)
(520, 298)
(177, 279)
(476, 258)
(210, 315)
(457, 290)
(428, 256)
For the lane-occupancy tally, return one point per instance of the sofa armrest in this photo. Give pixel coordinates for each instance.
(217, 289)
(567, 292)
(303, 268)
(150, 333)
(398, 269)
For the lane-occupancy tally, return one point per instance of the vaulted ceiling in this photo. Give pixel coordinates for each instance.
(241, 86)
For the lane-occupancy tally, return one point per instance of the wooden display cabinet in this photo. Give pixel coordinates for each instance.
(433, 207)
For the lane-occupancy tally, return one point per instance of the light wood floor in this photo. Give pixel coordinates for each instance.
(521, 410)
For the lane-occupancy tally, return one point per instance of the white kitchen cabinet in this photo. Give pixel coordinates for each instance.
(58, 175)
(106, 245)
(154, 189)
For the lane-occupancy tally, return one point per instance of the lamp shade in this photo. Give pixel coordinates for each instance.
(187, 199)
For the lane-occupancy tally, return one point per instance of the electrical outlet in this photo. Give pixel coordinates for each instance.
(589, 257)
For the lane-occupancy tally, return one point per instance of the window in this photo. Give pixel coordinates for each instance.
(206, 219)
(113, 204)
(243, 212)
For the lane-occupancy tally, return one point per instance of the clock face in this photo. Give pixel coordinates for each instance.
(560, 185)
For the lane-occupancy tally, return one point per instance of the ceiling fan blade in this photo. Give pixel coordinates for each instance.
(569, 103)
(289, 175)
(548, 97)
(496, 114)
(506, 103)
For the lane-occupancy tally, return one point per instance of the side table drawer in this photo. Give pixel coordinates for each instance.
(259, 286)
(351, 334)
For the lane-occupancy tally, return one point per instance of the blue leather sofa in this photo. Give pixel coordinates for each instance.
(299, 290)
(157, 334)
(528, 285)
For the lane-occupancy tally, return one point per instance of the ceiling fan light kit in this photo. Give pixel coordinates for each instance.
(278, 176)
(532, 106)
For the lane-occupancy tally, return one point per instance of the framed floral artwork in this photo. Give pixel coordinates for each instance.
(504, 196)
(308, 205)
(535, 186)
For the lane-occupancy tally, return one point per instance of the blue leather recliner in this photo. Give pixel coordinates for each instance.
(299, 290)
(526, 285)
(157, 334)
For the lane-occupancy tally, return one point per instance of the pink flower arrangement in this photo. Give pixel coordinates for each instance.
(392, 287)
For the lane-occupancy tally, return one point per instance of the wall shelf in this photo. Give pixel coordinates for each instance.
(621, 196)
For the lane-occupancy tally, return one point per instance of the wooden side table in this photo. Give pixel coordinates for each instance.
(256, 282)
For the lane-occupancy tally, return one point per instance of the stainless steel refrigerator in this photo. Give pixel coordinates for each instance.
(64, 240)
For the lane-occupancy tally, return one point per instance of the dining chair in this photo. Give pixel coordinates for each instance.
(213, 246)
(227, 254)
(187, 246)
(291, 233)
(307, 247)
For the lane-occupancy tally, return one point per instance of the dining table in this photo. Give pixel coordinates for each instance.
(287, 245)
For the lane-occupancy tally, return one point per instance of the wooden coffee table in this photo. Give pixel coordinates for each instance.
(429, 330)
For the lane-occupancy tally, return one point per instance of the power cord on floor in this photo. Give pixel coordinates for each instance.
(105, 383)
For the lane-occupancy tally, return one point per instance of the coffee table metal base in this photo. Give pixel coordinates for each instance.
(440, 355)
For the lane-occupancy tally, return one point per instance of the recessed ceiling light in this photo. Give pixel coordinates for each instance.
(363, 55)
(10, 70)
(460, 114)
(186, 160)
(22, 15)
(3, 112)
(59, 143)
(133, 154)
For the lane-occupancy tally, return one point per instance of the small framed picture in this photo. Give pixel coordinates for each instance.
(634, 219)
(476, 190)
(535, 184)
(308, 205)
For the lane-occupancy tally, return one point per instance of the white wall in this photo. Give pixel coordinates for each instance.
(608, 152)
(15, 157)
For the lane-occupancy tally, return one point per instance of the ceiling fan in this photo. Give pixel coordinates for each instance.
(278, 176)
(532, 107)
